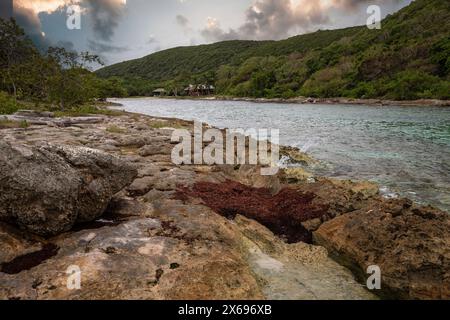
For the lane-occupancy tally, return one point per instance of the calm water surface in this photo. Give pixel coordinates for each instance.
(405, 149)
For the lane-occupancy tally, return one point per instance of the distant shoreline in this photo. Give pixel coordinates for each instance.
(318, 101)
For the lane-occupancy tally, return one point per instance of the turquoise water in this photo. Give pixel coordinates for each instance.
(405, 149)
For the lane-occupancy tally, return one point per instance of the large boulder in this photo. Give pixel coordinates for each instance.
(410, 245)
(48, 189)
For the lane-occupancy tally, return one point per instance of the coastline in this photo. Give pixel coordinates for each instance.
(375, 124)
(209, 213)
(319, 101)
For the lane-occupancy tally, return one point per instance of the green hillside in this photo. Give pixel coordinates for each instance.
(407, 59)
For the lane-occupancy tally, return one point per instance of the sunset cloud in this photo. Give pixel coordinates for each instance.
(120, 30)
(275, 19)
(103, 14)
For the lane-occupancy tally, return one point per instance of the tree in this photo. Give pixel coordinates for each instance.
(110, 88)
(71, 82)
(15, 49)
(441, 56)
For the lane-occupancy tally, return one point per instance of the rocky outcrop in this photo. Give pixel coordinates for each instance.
(173, 250)
(297, 271)
(179, 232)
(339, 196)
(410, 244)
(49, 188)
(43, 118)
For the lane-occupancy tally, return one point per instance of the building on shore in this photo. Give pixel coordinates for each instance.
(160, 92)
(199, 90)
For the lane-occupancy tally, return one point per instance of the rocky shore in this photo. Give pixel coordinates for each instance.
(102, 194)
(345, 101)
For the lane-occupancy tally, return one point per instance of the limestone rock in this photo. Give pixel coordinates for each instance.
(156, 149)
(296, 271)
(47, 189)
(411, 245)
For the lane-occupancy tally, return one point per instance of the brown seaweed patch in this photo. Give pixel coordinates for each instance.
(30, 260)
(282, 213)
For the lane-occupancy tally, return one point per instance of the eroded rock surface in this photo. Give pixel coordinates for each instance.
(410, 244)
(150, 243)
(48, 188)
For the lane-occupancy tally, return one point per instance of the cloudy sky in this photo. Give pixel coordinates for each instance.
(125, 29)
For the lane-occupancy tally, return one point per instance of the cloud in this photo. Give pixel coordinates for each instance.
(32, 26)
(214, 32)
(103, 14)
(276, 19)
(102, 47)
(152, 39)
(68, 45)
(184, 23)
(38, 6)
(182, 20)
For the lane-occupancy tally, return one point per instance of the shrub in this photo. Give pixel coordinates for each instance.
(411, 85)
(441, 56)
(86, 110)
(7, 104)
(116, 129)
(364, 90)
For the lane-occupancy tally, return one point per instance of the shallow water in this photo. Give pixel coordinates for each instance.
(405, 149)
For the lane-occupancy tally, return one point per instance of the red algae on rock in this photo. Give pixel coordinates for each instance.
(282, 213)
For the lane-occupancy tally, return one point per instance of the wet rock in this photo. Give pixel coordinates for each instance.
(296, 175)
(47, 189)
(296, 271)
(409, 244)
(295, 156)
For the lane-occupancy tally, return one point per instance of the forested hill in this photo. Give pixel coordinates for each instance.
(408, 58)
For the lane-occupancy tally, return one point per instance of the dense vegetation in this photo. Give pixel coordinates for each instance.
(56, 79)
(409, 58)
